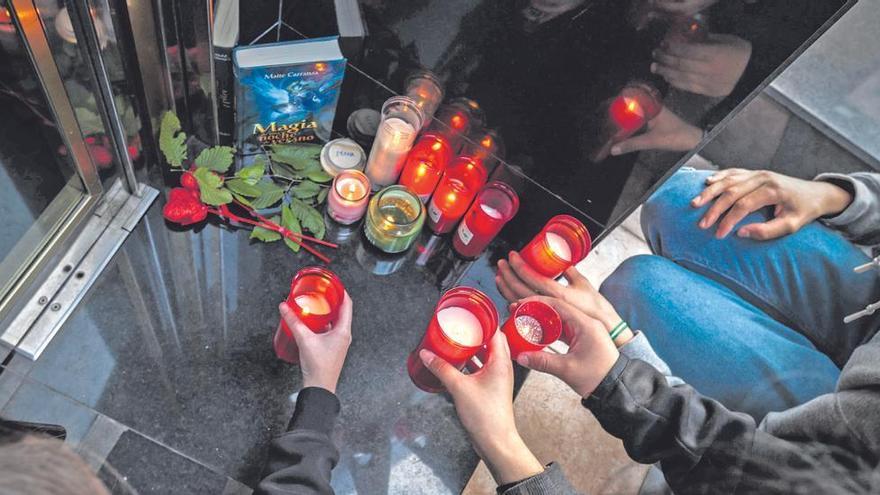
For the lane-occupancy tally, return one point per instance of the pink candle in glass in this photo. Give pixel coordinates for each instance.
(348, 197)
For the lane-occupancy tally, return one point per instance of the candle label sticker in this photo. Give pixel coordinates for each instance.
(464, 233)
(434, 212)
(345, 155)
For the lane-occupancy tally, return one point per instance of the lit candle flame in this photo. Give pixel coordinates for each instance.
(487, 142)
(320, 67)
(437, 144)
(457, 121)
(422, 170)
(451, 197)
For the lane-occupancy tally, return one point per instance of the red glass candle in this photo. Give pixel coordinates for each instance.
(454, 194)
(532, 326)
(562, 243)
(485, 147)
(628, 113)
(495, 205)
(463, 323)
(425, 165)
(453, 121)
(315, 296)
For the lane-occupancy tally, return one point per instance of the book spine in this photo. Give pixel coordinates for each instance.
(225, 97)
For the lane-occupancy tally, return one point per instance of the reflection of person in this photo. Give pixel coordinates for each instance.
(667, 131)
(300, 461)
(757, 324)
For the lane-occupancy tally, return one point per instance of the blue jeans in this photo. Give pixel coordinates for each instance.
(757, 325)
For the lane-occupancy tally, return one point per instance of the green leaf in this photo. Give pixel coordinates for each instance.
(305, 189)
(172, 141)
(290, 222)
(310, 218)
(210, 188)
(266, 235)
(319, 176)
(286, 171)
(241, 187)
(216, 158)
(269, 195)
(322, 196)
(243, 200)
(299, 156)
(253, 173)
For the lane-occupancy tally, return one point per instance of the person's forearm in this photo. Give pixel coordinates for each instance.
(508, 458)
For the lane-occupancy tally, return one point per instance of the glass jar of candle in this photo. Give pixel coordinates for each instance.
(315, 297)
(495, 205)
(401, 121)
(348, 197)
(562, 243)
(457, 189)
(485, 146)
(425, 165)
(425, 88)
(463, 323)
(532, 326)
(395, 218)
(453, 122)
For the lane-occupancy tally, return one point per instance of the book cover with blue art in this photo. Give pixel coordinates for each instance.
(287, 92)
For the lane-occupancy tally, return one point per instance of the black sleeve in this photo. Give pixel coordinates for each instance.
(702, 446)
(300, 461)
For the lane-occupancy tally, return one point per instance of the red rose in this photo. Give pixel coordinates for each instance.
(188, 180)
(184, 207)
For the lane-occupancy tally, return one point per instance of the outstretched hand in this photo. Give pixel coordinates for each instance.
(321, 355)
(484, 403)
(710, 68)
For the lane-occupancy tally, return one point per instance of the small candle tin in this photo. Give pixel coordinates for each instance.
(342, 154)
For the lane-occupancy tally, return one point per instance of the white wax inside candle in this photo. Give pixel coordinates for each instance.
(492, 212)
(530, 328)
(559, 246)
(313, 303)
(461, 326)
(393, 142)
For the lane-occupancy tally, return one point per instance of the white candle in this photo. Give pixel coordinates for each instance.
(394, 139)
(461, 326)
(492, 212)
(558, 246)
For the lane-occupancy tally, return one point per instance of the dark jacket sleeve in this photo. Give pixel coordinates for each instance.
(702, 446)
(860, 222)
(300, 461)
(551, 482)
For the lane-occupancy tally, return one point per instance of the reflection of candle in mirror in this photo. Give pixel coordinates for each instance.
(348, 197)
(558, 246)
(461, 326)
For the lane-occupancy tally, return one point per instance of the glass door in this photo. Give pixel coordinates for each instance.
(49, 181)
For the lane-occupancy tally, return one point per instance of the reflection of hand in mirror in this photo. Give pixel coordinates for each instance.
(739, 192)
(712, 68)
(484, 403)
(683, 7)
(666, 131)
(517, 280)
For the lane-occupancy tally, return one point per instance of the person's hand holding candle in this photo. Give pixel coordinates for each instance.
(516, 281)
(666, 132)
(712, 68)
(591, 353)
(321, 355)
(484, 403)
